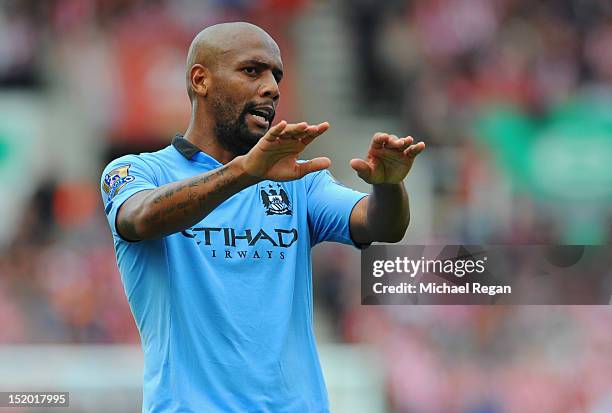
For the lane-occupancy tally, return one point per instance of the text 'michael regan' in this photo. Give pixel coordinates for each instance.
(486, 274)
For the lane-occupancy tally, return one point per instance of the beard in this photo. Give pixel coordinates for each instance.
(231, 128)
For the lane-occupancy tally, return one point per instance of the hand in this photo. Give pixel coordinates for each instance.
(389, 159)
(275, 156)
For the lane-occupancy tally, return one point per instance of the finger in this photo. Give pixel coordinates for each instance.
(408, 140)
(395, 143)
(399, 144)
(322, 127)
(362, 168)
(291, 130)
(379, 140)
(317, 129)
(414, 150)
(312, 165)
(275, 131)
(308, 135)
(314, 132)
(294, 130)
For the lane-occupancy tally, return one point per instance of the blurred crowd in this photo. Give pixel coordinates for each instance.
(513, 92)
(475, 359)
(487, 84)
(439, 61)
(119, 66)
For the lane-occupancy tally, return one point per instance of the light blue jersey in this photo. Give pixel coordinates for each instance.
(224, 308)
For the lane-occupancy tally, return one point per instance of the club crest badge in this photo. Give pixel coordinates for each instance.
(275, 200)
(116, 179)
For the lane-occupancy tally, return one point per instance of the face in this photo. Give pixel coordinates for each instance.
(244, 94)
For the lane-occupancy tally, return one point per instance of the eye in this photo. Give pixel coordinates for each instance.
(250, 70)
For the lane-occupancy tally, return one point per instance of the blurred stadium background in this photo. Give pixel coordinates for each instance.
(513, 98)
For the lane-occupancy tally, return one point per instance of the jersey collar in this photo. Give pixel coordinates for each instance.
(192, 152)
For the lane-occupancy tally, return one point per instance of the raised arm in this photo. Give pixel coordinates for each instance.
(171, 208)
(384, 214)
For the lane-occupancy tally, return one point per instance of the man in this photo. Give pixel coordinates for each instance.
(213, 236)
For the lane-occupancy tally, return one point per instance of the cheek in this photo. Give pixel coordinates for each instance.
(231, 102)
(237, 89)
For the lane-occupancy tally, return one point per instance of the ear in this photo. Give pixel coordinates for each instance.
(200, 79)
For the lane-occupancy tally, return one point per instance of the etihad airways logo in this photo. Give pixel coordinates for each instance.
(232, 239)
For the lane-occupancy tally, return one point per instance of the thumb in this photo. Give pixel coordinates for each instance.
(362, 168)
(312, 165)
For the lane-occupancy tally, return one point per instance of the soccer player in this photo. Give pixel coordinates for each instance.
(213, 236)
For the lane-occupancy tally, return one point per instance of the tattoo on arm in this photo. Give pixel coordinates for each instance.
(177, 206)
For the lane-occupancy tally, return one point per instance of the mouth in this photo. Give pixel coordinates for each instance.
(262, 116)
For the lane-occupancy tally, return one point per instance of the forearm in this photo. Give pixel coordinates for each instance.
(179, 205)
(385, 214)
(388, 212)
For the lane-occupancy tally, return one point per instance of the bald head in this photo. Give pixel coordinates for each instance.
(233, 76)
(215, 43)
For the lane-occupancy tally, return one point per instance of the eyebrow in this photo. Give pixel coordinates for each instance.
(277, 72)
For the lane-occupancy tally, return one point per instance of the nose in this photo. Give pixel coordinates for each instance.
(269, 87)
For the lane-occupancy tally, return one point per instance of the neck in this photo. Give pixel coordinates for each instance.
(201, 133)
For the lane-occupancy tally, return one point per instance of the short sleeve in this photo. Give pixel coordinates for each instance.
(329, 209)
(121, 179)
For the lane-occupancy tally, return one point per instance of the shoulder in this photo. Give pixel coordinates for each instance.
(141, 169)
(146, 162)
(124, 167)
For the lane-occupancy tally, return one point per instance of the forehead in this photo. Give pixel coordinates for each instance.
(254, 47)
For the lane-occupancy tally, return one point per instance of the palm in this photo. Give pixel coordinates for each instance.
(275, 157)
(387, 166)
(388, 160)
(284, 166)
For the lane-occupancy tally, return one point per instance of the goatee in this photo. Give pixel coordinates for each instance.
(233, 132)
